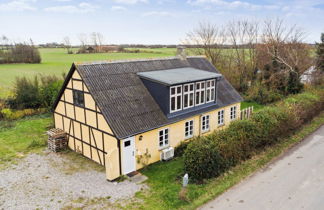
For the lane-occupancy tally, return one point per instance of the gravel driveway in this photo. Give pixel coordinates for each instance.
(45, 182)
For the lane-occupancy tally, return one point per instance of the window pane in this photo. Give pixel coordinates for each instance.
(197, 86)
(172, 90)
(191, 87)
(191, 100)
(172, 103)
(197, 98)
(185, 104)
(179, 89)
(202, 99)
(127, 143)
(212, 94)
(186, 88)
(178, 102)
(202, 85)
(208, 84)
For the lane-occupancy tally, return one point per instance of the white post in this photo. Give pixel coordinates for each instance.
(185, 180)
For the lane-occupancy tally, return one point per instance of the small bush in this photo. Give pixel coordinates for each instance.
(49, 89)
(270, 122)
(39, 92)
(262, 95)
(179, 150)
(26, 94)
(9, 114)
(236, 142)
(202, 159)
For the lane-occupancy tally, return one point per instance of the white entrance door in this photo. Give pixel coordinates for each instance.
(128, 159)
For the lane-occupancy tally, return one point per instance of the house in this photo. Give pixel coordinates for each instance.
(127, 114)
(308, 76)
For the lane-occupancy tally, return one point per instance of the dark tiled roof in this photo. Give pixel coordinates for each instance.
(125, 102)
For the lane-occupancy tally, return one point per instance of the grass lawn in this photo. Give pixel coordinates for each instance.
(255, 105)
(57, 61)
(22, 137)
(165, 177)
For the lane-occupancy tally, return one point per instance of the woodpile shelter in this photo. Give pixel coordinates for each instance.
(127, 114)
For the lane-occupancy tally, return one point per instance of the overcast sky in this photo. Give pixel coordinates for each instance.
(145, 21)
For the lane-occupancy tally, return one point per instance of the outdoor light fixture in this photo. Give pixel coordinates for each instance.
(140, 138)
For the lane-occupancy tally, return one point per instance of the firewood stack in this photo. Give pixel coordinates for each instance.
(57, 140)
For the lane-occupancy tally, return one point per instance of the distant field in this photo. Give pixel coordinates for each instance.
(56, 61)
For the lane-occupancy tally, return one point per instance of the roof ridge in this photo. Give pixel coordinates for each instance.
(84, 63)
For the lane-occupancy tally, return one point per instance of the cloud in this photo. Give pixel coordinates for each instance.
(232, 4)
(157, 13)
(118, 8)
(18, 5)
(130, 1)
(80, 8)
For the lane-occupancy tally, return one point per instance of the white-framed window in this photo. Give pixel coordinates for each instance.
(176, 98)
(164, 138)
(188, 95)
(189, 129)
(220, 117)
(233, 113)
(210, 90)
(200, 93)
(205, 123)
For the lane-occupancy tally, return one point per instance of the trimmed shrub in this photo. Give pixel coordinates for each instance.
(271, 123)
(202, 159)
(235, 143)
(209, 156)
(180, 149)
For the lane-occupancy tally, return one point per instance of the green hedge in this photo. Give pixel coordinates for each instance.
(209, 156)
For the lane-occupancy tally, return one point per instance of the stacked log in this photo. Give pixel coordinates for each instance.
(57, 140)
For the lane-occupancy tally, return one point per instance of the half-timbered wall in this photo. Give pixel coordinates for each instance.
(88, 132)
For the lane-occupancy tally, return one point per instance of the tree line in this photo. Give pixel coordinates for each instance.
(263, 60)
(24, 52)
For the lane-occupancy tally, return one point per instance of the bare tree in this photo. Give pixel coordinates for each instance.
(5, 42)
(94, 39)
(285, 45)
(97, 41)
(67, 44)
(243, 37)
(210, 40)
(83, 39)
(100, 39)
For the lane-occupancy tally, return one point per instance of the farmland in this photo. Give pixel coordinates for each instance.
(56, 61)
